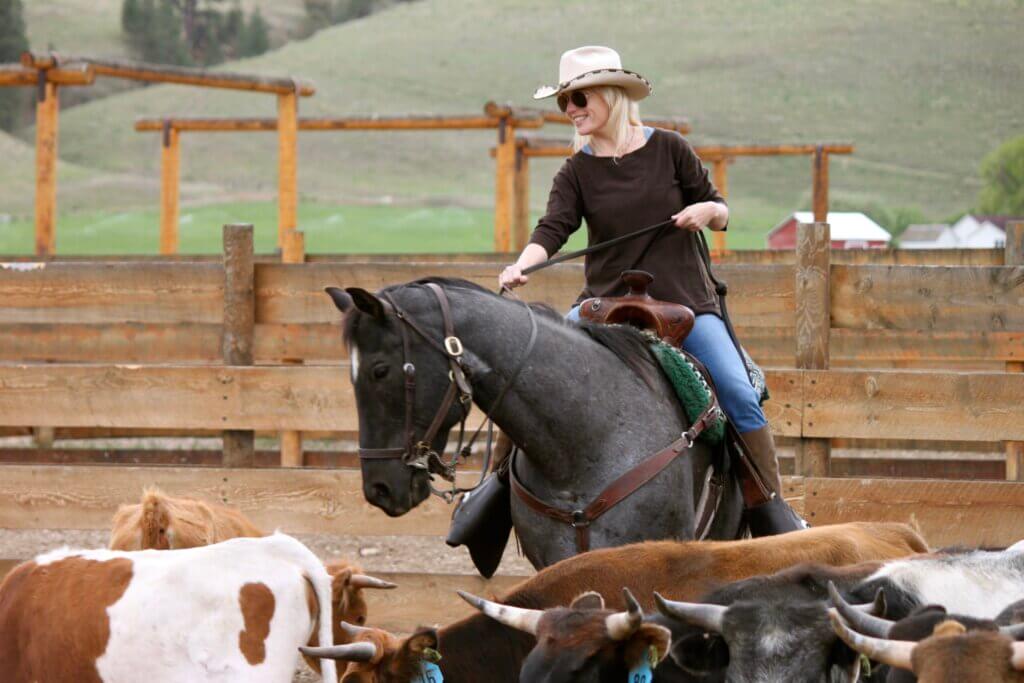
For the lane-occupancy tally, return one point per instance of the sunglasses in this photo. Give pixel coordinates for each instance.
(578, 97)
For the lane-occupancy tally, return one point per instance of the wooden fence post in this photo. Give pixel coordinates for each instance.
(170, 164)
(521, 188)
(239, 324)
(505, 160)
(293, 251)
(47, 111)
(287, 173)
(721, 177)
(1015, 257)
(819, 185)
(813, 321)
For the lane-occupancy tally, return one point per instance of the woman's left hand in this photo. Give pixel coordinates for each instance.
(696, 216)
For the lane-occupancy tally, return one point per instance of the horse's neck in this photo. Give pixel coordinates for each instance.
(571, 405)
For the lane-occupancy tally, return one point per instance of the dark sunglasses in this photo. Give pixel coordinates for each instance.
(578, 97)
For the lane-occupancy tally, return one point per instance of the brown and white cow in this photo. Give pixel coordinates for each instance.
(479, 648)
(163, 522)
(235, 611)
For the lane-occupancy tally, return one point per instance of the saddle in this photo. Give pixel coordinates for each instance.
(670, 322)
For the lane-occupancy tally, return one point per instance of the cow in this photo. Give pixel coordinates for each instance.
(478, 648)
(949, 654)
(165, 522)
(778, 626)
(235, 611)
(919, 626)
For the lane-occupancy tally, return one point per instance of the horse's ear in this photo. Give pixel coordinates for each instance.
(340, 298)
(366, 302)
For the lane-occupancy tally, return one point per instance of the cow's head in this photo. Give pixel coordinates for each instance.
(783, 635)
(931, 645)
(584, 643)
(380, 371)
(376, 656)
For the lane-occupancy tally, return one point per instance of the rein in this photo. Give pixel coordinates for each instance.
(419, 453)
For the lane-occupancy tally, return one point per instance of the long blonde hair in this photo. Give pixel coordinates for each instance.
(623, 113)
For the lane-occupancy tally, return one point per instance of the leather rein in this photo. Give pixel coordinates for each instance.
(420, 453)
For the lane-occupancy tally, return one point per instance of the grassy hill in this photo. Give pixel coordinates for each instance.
(925, 88)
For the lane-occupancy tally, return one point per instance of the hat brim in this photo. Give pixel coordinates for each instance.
(635, 85)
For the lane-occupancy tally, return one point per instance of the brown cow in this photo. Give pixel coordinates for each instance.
(952, 654)
(165, 522)
(478, 648)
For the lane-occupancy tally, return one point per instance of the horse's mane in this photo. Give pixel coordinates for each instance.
(627, 343)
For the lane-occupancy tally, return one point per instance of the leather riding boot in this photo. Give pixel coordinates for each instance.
(761, 447)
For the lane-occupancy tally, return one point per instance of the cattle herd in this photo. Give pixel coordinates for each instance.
(194, 592)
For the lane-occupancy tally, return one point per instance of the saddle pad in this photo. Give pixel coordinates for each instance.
(691, 388)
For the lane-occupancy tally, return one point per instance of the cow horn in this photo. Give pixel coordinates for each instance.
(364, 581)
(1017, 660)
(353, 631)
(352, 652)
(1013, 631)
(622, 625)
(896, 653)
(516, 617)
(708, 617)
(861, 620)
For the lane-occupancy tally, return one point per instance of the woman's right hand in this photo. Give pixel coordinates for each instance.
(512, 277)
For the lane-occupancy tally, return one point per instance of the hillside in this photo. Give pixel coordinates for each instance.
(925, 88)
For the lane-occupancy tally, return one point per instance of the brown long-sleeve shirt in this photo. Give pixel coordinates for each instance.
(620, 196)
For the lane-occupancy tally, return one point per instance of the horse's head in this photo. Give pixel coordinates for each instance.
(399, 391)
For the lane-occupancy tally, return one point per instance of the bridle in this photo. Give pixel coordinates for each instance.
(419, 453)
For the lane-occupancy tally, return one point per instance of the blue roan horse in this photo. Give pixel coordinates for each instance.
(588, 405)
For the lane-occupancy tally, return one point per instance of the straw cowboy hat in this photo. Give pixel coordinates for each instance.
(593, 65)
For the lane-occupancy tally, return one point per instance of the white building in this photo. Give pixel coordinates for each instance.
(970, 232)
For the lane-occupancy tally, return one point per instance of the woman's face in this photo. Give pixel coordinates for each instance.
(591, 118)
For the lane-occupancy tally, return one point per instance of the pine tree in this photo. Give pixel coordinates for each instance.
(255, 39)
(13, 101)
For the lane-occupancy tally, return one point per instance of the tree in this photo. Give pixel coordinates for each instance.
(14, 102)
(255, 38)
(1003, 174)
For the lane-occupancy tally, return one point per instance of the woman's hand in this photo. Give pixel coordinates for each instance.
(697, 216)
(512, 277)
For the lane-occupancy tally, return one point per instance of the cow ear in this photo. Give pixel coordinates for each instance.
(339, 580)
(340, 298)
(701, 654)
(649, 639)
(366, 302)
(418, 643)
(588, 600)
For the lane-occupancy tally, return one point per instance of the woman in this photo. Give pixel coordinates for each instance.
(624, 176)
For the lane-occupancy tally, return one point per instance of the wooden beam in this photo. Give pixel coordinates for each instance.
(170, 176)
(239, 322)
(947, 512)
(505, 161)
(15, 75)
(521, 201)
(47, 115)
(721, 179)
(162, 73)
(1015, 257)
(324, 124)
(813, 321)
(943, 298)
(287, 169)
(819, 184)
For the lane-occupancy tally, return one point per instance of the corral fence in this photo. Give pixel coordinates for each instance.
(856, 348)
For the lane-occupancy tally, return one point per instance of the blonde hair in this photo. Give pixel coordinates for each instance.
(623, 113)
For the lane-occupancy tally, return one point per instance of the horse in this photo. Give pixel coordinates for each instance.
(584, 403)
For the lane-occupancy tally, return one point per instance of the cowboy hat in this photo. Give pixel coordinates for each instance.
(594, 65)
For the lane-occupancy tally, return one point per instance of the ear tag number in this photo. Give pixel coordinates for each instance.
(642, 671)
(429, 673)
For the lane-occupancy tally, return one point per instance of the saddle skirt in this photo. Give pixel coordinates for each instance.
(670, 322)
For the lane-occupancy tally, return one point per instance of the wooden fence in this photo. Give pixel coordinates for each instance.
(139, 344)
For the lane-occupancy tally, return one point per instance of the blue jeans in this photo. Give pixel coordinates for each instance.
(710, 343)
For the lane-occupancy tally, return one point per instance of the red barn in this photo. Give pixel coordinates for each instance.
(849, 230)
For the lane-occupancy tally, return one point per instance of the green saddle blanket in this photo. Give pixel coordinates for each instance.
(693, 391)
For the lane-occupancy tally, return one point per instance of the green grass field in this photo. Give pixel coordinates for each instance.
(924, 88)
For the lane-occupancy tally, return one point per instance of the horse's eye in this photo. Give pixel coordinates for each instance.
(380, 371)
